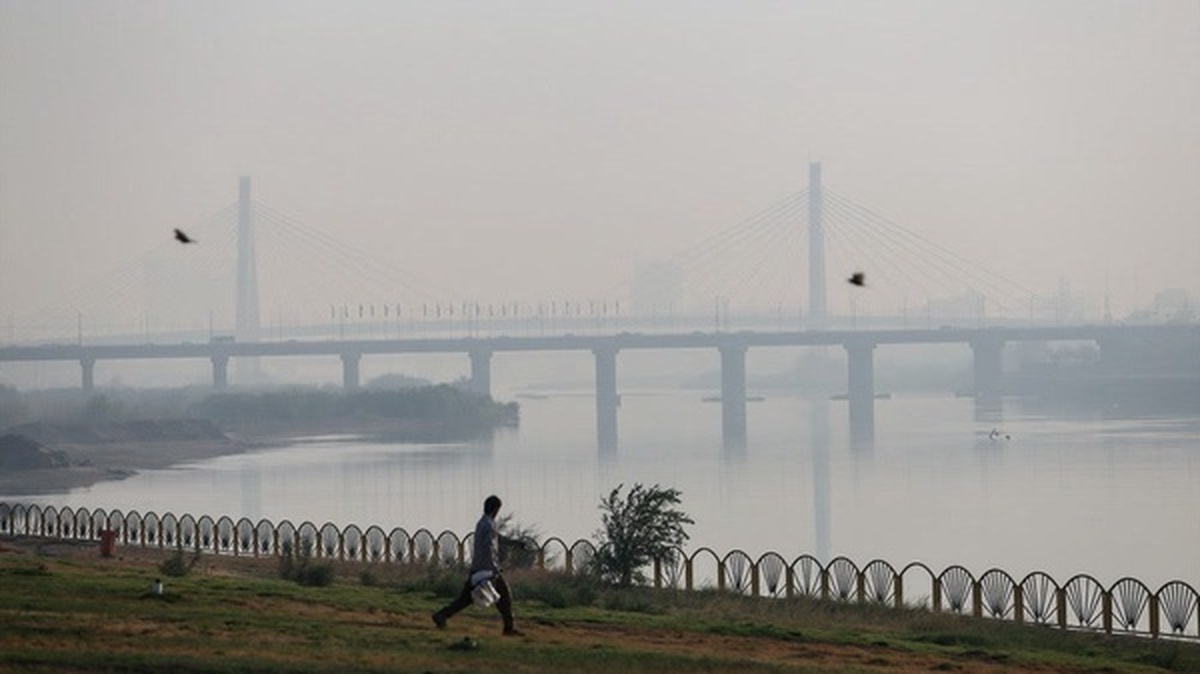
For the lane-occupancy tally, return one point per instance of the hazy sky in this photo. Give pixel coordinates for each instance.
(531, 150)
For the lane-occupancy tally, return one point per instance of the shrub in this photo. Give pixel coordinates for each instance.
(175, 565)
(639, 527)
(299, 566)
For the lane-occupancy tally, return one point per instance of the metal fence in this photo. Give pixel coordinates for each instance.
(1127, 606)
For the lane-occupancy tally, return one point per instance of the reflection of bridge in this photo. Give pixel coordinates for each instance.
(986, 344)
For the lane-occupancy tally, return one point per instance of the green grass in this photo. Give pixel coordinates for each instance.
(76, 612)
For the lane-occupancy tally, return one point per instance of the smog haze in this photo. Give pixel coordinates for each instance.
(530, 151)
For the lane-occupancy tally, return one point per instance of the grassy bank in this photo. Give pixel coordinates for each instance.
(63, 608)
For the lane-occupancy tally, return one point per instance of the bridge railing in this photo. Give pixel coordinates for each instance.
(1126, 606)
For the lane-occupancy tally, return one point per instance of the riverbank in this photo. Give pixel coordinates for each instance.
(94, 463)
(235, 614)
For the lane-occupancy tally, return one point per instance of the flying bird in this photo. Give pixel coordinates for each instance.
(181, 237)
(858, 279)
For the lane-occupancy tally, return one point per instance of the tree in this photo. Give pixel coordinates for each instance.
(638, 528)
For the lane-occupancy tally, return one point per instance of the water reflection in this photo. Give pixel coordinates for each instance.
(933, 486)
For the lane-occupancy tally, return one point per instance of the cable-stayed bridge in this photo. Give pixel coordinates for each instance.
(780, 255)
(261, 274)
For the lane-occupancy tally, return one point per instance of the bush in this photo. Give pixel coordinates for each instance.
(175, 565)
(299, 566)
(638, 528)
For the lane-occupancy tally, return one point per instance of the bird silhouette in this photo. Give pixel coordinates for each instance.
(181, 237)
(857, 279)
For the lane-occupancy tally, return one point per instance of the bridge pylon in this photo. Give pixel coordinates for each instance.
(818, 309)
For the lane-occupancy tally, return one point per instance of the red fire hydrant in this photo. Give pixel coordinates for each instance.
(108, 542)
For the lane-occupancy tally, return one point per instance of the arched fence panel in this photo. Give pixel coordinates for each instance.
(1179, 606)
(33, 521)
(583, 556)
(399, 546)
(422, 546)
(266, 538)
(189, 532)
(206, 534)
(307, 544)
(880, 584)
(449, 549)
(226, 535)
(131, 533)
(996, 592)
(152, 530)
(841, 580)
(352, 542)
(703, 571)
(375, 544)
(806, 577)
(330, 541)
(244, 537)
(772, 575)
(170, 530)
(740, 573)
(916, 583)
(1084, 599)
(555, 555)
(1128, 600)
(1039, 600)
(953, 589)
(286, 538)
(83, 524)
(49, 522)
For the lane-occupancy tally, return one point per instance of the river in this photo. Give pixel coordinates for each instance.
(1061, 494)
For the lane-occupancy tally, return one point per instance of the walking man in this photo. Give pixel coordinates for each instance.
(485, 558)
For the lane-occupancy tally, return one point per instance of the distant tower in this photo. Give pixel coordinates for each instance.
(817, 308)
(246, 328)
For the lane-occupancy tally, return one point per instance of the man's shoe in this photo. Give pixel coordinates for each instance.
(513, 632)
(439, 620)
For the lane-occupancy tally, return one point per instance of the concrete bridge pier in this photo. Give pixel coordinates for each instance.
(861, 387)
(220, 367)
(607, 400)
(733, 394)
(89, 373)
(350, 363)
(988, 375)
(481, 372)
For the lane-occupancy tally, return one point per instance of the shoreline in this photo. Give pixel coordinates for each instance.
(95, 463)
(92, 463)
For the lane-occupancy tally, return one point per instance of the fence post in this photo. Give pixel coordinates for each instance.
(569, 561)
(824, 583)
(1154, 627)
(860, 589)
(976, 599)
(1106, 609)
(754, 582)
(1018, 605)
(687, 573)
(937, 595)
(791, 582)
(721, 575)
(541, 558)
(899, 585)
(1060, 596)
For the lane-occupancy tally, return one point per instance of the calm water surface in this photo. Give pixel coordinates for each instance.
(1111, 498)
